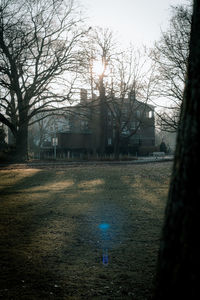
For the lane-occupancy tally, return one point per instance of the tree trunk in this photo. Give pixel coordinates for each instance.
(103, 119)
(22, 142)
(178, 270)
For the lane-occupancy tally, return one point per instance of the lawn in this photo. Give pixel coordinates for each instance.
(84, 232)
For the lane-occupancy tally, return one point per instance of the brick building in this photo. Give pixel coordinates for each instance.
(128, 123)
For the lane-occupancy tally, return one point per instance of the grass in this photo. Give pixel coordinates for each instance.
(52, 245)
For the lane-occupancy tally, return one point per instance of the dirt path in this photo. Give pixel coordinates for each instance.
(88, 232)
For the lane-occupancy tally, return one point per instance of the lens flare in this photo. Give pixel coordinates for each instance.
(104, 226)
(105, 256)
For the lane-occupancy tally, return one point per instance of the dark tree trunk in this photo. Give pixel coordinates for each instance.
(103, 119)
(22, 139)
(178, 271)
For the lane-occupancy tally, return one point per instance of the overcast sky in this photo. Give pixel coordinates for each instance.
(136, 21)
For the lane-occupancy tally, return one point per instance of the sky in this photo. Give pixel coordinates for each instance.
(136, 21)
(139, 22)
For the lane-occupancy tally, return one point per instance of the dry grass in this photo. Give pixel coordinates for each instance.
(51, 244)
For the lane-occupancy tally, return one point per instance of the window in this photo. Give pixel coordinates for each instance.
(84, 125)
(150, 115)
(109, 113)
(109, 123)
(66, 127)
(109, 141)
(125, 110)
(138, 114)
(134, 125)
(125, 130)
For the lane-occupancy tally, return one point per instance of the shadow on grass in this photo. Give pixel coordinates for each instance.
(53, 246)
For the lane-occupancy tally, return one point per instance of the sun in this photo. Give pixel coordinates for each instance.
(98, 67)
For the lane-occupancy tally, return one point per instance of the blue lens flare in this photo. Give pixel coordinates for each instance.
(105, 256)
(105, 236)
(104, 226)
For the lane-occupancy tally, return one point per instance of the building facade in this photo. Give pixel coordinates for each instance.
(128, 125)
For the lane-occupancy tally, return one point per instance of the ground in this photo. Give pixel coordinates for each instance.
(81, 232)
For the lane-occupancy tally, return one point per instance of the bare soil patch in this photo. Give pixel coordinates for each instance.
(90, 232)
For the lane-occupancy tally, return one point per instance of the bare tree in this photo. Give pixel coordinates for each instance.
(171, 56)
(100, 51)
(39, 46)
(178, 263)
(117, 74)
(132, 78)
(168, 118)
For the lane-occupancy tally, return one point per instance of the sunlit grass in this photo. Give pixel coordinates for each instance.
(91, 183)
(52, 186)
(10, 178)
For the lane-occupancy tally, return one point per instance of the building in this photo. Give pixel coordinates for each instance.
(128, 125)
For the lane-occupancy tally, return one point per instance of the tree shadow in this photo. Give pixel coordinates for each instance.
(54, 246)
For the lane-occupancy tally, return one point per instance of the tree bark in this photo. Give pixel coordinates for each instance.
(22, 143)
(178, 270)
(22, 136)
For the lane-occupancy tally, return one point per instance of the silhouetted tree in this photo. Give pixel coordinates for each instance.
(171, 56)
(122, 76)
(179, 260)
(163, 147)
(2, 136)
(128, 93)
(38, 48)
(100, 50)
